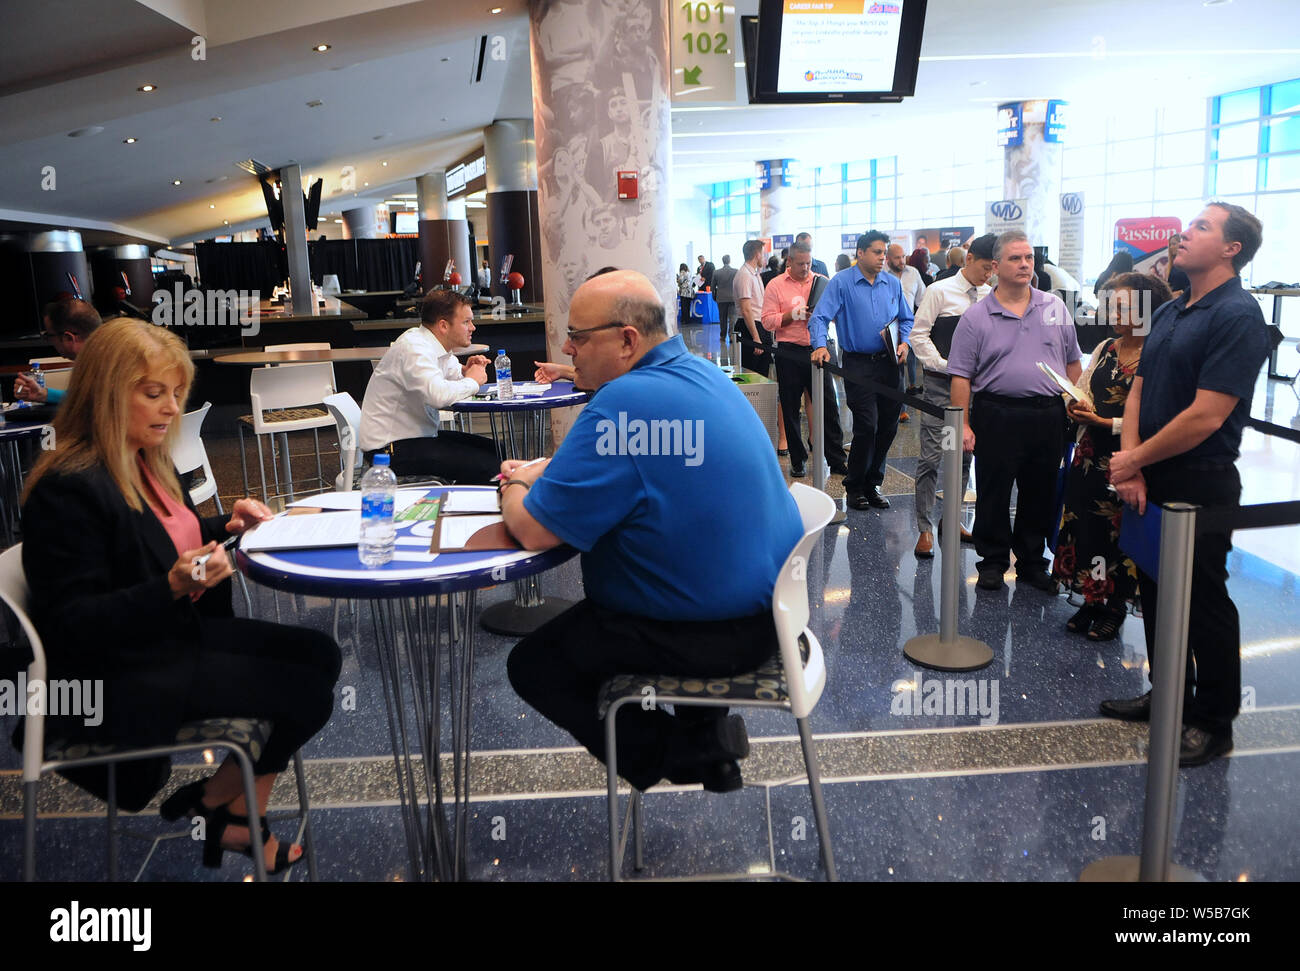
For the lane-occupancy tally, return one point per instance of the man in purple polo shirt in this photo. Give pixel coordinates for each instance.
(1016, 425)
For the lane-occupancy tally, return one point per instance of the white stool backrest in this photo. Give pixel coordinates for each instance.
(14, 592)
(299, 386)
(347, 416)
(190, 453)
(790, 604)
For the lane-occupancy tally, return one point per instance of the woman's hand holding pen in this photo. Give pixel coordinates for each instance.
(199, 569)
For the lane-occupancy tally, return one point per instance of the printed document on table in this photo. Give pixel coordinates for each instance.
(472, 501)
(310, 531)
(352, 501)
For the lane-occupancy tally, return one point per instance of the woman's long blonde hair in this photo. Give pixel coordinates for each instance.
(91, 425)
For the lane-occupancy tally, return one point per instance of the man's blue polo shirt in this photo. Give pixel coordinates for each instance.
(646, 485)
(861, 310)
(1219, 344)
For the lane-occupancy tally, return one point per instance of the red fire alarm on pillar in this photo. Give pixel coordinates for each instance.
(626, 185)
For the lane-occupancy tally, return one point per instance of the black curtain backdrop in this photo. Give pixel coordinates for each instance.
(360, 264)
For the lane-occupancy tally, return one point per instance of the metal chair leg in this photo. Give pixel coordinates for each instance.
(29, 830)
(112, 822)
(243, 459)
(611, 767)
(819, 805)
(320, 472)
(304, 809)
(288, 467)
(261, 464)
(638, 831)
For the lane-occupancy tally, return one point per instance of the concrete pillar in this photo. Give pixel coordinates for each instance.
(600, 105)
(360, 223)
(513, 227)
(1032, 171)
(779, 208)
(431, 194)
(295, 239)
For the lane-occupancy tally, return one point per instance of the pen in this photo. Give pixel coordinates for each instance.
(227, 546)
(499, 477)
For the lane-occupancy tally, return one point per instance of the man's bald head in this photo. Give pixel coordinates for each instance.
(626, 296)
(896, 257)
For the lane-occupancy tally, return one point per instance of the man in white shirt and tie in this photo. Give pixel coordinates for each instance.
(936, 320)
(417, 378)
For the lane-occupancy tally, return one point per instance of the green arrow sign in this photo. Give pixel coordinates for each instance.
(691, 75)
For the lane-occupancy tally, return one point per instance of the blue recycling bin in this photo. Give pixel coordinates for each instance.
(705, 309)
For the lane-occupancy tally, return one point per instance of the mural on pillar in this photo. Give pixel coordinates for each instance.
(599, 102)
(1032, 172)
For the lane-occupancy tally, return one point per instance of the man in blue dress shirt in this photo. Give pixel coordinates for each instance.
(672, 586)
(863, 301)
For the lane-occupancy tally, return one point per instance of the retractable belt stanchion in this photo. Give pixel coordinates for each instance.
(819, 438)
(1173, 606)
(948, 650)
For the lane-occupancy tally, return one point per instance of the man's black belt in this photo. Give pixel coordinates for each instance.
(877, 356)
(938, 374)
(1029, 401)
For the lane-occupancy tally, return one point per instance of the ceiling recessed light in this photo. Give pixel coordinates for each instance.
(129, 141)
(212, 205)
(314, 104)
(338, 220)
(363, 183)
(88, 130)
(215, 118)
(445, 60)
(321, 48)
(494, 10)
(176, 181)
(385, 164)
(225, 222)
(146, 88)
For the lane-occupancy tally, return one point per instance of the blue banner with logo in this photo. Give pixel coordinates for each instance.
(1011, 128)
(1055, 129)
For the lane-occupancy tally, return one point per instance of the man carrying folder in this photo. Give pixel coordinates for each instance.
(787, 302)
(863, 302)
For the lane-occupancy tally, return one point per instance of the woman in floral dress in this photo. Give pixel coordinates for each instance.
(1088, 559)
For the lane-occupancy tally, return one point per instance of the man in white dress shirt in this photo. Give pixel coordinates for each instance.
(913, 290)
(936, 320)
(417, 378)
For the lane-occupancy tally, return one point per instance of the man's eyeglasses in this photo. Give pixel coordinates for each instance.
(574, 335)
(50, 335)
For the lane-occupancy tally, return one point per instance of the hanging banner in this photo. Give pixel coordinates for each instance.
(1069, 248)
(1004, 215)
(1146, 239)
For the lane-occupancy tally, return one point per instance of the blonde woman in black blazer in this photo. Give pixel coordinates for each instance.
(110, 549)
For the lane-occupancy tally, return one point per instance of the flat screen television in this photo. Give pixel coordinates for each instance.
(828, 51)
(406, 223)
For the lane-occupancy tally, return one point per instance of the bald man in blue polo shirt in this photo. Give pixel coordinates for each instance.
(672, 586)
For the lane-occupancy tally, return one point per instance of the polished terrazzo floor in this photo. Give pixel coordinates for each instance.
(1033, 787)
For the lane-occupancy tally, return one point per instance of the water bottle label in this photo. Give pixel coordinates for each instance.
(376, 506)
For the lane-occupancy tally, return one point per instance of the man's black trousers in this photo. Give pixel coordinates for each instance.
(875, 418)
(559, 668)
(1212, 695)
(794, 379)
(1018, 441)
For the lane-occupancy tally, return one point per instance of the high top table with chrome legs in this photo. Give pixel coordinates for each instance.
(526, 415)
(430, 598)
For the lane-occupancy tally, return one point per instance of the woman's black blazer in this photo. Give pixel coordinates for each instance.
(100, 600)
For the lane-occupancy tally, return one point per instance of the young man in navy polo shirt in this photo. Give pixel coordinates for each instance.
(672, 586)
(1180, 439)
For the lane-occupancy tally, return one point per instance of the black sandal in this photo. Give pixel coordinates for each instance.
(185, 801)
(1082, 620)
(1106, 627)
(219, 819)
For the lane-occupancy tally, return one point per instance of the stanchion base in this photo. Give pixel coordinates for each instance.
(841, 514)
(509, 617)
(963, 654)
(1124, 869)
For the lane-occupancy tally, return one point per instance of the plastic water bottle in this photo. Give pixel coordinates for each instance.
(505, 386)
(38, 375)
(378, 492)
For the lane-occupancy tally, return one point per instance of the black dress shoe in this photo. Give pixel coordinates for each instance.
(797, 471)
(857, 500)
(1128, 709)
(1039, 580)
(990, 580)
(877, 499)
(723, 776)
(1198, 746)
(839, 468)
